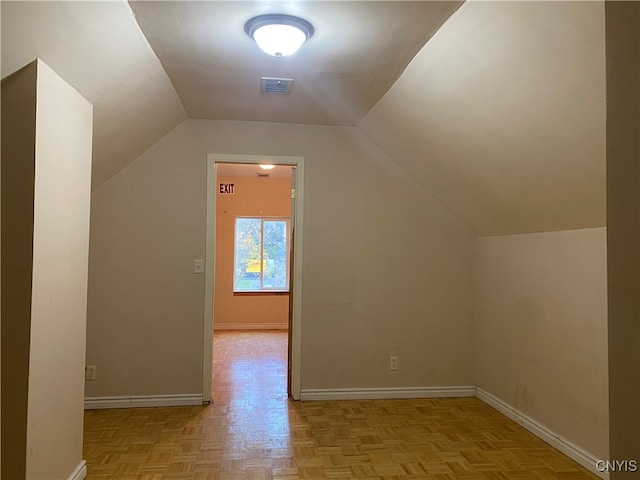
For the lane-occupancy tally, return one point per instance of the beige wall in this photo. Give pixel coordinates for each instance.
(18, 151)
(57, 177)
(501, 116)
(623, 225)
(386, 271)
(542, 330)
(259, 197)
(0, 310)
(386, 268)
(59, 290)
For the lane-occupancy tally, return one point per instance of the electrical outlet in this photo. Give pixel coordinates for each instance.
(393, 362)
(198, 266)
(90, 372)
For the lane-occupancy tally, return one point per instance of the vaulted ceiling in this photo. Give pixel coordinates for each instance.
(496, 108)
(501, 116)
(98, 48)
(356, 53)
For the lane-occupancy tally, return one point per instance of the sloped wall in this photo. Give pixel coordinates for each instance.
(501, 116)
(135, 102)
(386, 268)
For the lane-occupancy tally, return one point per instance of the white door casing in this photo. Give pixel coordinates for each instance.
(210, 248)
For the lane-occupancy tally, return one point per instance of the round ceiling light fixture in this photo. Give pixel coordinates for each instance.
(279, 35)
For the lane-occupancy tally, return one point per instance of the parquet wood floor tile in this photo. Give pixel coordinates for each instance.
(253, 432)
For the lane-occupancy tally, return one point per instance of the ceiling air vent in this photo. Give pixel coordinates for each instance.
(277, 85)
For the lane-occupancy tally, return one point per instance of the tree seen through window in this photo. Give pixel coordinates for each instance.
(261, 254)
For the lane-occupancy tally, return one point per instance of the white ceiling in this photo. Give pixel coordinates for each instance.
(251, 170)
(358, 50)
(500, 115)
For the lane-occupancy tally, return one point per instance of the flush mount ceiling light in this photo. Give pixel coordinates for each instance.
(266, 166)
(279, 35)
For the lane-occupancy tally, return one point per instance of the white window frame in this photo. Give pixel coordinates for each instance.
(287, 249)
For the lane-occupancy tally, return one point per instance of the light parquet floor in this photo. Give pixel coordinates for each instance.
(253, 432)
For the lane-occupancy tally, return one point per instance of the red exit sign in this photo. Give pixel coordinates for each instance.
(227, 188)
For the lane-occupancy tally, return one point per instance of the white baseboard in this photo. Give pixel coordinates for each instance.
(560, 443)
(80, 472)
(382, 393)
(571, 450)
(250, 326)
(93, 403)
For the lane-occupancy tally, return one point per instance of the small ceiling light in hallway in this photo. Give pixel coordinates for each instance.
(279, 35)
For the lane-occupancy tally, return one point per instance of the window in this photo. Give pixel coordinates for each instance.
(261, 247)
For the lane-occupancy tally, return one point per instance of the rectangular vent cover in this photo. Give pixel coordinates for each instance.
(277, 85)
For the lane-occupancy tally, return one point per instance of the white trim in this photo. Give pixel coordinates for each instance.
(209, 284)
(93, 403)
(382, 393)
(80, 472)
(250, 326)
(560, 443)
(570, 449)
(210, 247)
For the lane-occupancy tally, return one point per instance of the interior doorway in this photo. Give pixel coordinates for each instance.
(253, 263)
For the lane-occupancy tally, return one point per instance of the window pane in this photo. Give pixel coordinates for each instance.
(247, 254)
(275, 254)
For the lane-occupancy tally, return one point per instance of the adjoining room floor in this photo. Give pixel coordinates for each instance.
(253, 432)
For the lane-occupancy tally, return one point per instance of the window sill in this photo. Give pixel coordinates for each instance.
(261, 293)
